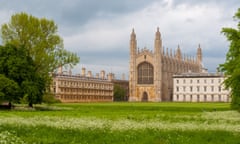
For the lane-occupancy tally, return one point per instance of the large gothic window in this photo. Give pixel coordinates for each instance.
(145, 73)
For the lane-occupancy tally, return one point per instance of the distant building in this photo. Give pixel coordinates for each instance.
(82, 88)
(199, 87)
(150, 73)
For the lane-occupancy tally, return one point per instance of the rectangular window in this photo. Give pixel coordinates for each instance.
(190, 81)
(197, 81)
(205, 88)
(191, 89)
(184, 88)
(219, 89)
(205, 98)
(212, 87)
(198, 98)
(177, 88)
(219, 98)
(177, 81)
(205, 81)
(198, 88)
(184, 81)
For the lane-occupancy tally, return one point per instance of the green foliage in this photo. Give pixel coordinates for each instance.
(50, 99)
(9, 89)
(17, 66)
(38, 51)
(39, 37)
(119, 93)
(231, 67)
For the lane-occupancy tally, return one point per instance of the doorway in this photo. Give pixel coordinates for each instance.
(145, 97)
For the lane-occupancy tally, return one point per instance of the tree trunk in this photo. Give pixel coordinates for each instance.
(9, 105)
(30, 105)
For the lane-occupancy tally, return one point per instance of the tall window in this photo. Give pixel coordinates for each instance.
(145, 73)
(205, 88)
(191, 89)
(205, 98)
(219, 88)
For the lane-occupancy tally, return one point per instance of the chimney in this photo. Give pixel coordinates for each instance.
(110, 76)
(83, 71)
(102, 74)
(89, 74)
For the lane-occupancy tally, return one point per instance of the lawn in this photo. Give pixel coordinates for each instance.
(134, 123)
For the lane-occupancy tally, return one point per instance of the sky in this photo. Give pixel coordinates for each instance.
(99, 30)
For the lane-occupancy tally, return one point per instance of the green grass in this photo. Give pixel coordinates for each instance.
(107, 123)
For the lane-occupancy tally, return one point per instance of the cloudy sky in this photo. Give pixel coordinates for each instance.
(99, 30)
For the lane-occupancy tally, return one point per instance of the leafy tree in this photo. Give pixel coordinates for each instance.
(39, 36)
(18, 67)
(231, 67)
(9, 89)
(119, 93)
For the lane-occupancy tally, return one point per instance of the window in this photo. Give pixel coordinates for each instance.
(205, 98)
(190, 88)
(219, 89)
(205, 88)
(145, 73)
(184, 98)
(212, 97)
(184, 88)
(205, 81)
(212, 87)
(197, 81)
(212, 80)
(177, 88)
(184, 81)
(177, 81)
(190, 97)
(219, 98)
(198, 88)
(198, 98)
(177, 97)
(190, 81)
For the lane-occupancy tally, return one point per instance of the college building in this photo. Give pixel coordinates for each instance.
(200, 87)
(82, 87)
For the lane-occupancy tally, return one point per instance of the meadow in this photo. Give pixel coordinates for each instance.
(120, 123)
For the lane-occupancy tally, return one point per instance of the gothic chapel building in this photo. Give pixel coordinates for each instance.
(150, 74)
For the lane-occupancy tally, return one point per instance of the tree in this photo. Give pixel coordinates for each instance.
(231, 67)
(18, 67)
(9, 89)
(40, 38)
(119, 93)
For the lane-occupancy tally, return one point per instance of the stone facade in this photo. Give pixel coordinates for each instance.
(200, 87)
(150, 72)
(82, 88)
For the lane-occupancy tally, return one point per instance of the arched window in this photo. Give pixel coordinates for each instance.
(145, 73)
